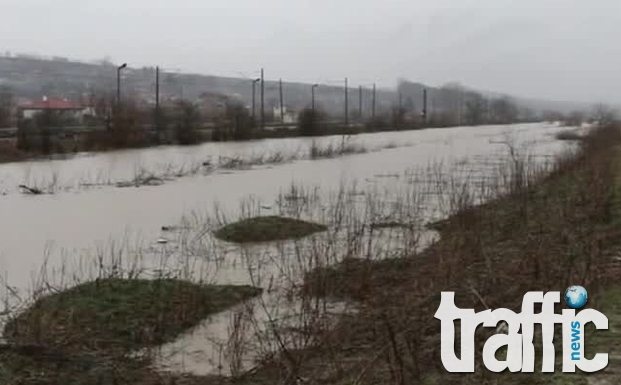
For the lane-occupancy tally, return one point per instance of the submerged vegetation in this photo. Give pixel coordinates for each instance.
(527, 227)
(143, 176)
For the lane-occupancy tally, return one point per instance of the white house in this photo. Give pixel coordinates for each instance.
(288, 117)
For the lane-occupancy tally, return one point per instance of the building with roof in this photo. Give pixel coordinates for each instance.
(288, 116)
(68, 108)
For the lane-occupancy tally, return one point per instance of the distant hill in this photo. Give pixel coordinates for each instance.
(33, 77)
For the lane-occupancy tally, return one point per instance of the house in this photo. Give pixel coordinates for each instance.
(288, 117)
(69, 109)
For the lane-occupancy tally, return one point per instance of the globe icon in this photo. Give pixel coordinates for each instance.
(576, 297)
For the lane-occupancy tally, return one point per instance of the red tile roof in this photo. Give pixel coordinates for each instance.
(52, 104)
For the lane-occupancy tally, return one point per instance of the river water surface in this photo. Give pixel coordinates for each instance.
(88, 217)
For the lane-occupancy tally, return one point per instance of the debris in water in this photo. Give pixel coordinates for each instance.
(151, 181)
(125, 184)
(30, 190)
(266, 207)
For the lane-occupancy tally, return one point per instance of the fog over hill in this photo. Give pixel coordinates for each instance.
(32, 77)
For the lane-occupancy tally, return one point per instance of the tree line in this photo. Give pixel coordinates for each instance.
(128, 124)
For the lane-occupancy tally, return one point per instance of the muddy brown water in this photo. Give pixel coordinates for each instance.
(55, 237)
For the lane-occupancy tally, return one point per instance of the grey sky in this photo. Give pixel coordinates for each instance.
(553, 49)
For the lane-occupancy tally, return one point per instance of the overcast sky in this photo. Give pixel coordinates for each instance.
(552, 49)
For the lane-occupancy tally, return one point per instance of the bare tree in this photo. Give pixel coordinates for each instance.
(475, 108)
(6, 106)
(187, 124)
(311, 122)
(604, 114)
(240, 120)
(574, 118)
(503, 111)
(397, 115)
(451, 98)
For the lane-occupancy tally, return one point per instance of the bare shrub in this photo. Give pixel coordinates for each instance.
(188, 117)
(568, 135)
(311, 122)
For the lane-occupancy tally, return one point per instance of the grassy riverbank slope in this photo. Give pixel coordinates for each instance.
(547, 233)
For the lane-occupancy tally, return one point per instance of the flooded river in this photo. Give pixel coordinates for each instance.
(63, 234)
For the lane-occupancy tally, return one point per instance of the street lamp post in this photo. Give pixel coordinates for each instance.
(262, 100)
(346, 104)
(118, 86)
(313, 96)
(360, 103)
(373, 104)
(424, 106)
(157, 103)
(254, 82)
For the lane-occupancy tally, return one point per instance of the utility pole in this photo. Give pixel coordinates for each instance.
(401, 112)
(360, 103)
(373, 105)
(425, 105)
(157, 89)
(262, 100)
(459, 106)
(346, 105)
(254, 82)
(157, 102)
(118, 86)
(313, 97)
(282, 113)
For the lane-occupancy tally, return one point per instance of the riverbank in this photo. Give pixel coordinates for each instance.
(547, 233)
(339, 353)
(66, 145)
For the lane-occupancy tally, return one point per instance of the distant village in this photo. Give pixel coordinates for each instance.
(210, 106)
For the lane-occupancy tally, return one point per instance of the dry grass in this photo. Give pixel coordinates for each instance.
(335, 150)
(557, 230)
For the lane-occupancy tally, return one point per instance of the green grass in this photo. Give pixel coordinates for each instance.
(268, 228)
(121, 314)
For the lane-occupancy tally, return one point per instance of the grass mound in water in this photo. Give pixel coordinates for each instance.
(268, 228)
(121, 314)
